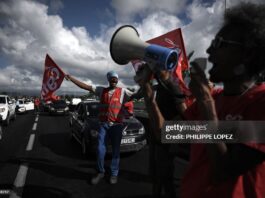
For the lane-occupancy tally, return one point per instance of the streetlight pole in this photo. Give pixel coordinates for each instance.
(225, 6)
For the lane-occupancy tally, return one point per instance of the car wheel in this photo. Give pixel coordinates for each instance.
(7, 121)
(84, 147)
(72, 138)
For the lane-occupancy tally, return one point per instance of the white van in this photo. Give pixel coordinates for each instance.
(7, 109)
(75, 101)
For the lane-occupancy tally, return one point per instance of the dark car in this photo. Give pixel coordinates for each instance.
(58, 107)
(84, 124)
(45, 106)
(1, 130)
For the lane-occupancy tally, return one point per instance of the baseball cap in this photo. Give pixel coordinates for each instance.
(112, 74)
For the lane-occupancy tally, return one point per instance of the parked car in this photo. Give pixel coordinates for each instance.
(29, 105)
(84, 124)
(58, 107)
(73, 103)
(23, 105)
(45, 106)
(20, 106)
(7, 109)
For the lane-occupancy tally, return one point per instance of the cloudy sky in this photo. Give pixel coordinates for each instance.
(76, 34)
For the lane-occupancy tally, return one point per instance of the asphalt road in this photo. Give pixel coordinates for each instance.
(38, 159)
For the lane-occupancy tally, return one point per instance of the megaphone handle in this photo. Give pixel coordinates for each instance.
(153, 67)
(138, 77)
(143, 75)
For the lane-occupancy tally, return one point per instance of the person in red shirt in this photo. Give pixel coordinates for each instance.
(238, 55)
(37, 104)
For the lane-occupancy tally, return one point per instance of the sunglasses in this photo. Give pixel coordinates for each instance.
(218, 41)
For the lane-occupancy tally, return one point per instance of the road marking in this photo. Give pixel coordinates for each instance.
(34, 126)
(19, 182)
(31, 142)
(23, 169)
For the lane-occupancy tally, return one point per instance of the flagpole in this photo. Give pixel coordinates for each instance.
(225, 6)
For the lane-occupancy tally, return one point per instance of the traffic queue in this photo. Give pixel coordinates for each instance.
(82, 117)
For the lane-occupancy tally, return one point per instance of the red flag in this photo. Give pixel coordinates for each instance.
(52, 79)
(173, 40)
(54, 97)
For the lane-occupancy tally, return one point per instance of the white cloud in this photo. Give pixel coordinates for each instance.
(56, 5)
(127, 10)
(28, 32)
(205, 22)
(230, 3)
(156, 24)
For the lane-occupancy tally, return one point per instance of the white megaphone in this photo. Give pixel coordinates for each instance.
(126, 45)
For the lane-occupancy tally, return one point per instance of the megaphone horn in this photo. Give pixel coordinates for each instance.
(126, 45)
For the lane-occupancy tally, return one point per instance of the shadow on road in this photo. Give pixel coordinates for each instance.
(54, 169)
(6, 187)
(134, 176)
(61, 144)
(135, 196)
(32, 191)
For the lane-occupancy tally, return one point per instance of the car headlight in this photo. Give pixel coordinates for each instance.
(2, 109)
(141, 130)
(52, 108)
(94, 133)
(66, 108)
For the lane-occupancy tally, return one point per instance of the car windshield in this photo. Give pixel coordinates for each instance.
(92, 109)
(28, 101)
(59, 102)
(21, 102)
(2, 100)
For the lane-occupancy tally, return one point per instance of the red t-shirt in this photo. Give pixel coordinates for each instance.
(37, 102)
(196, 182)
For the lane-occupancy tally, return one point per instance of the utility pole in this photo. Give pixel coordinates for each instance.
(225, 6)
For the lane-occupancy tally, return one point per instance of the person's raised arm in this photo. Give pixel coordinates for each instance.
(155, 116)
(79, 83)
(164, 78)
(199, 87)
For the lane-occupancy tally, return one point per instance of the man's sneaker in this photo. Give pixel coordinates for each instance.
(113, 180)
(97, 178)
